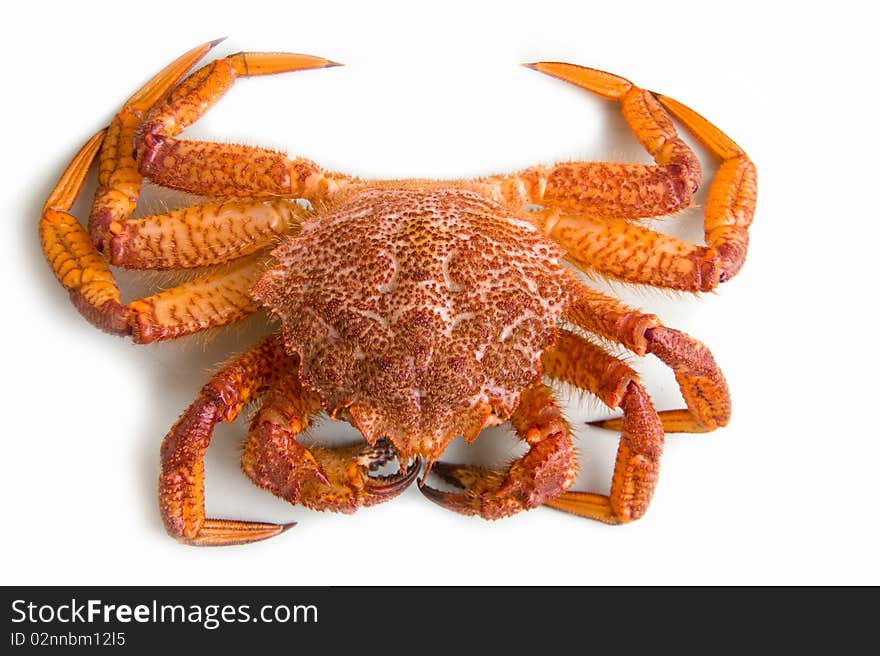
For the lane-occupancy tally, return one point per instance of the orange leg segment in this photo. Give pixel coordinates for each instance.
(733, 195)
(618, 190)
(215, 299)
(599, 189)
(320, 478)
(700, 379)
(202, 235)
(73, 258)
(583, 364)
(609, 190)
(71, 253)
(225, 170)
(625, 251)
(544, 472)
(153, 115)
(181, 483)
(119, 182)
(211, 300)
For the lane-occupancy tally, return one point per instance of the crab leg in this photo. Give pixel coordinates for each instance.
(202, 235)
(73, 258)
(585, 365)
(212, 300)
(730, 206)
(250, 171)
(225, 170)
(320, 478)
(609, 190)
(700, 379)
(544, 472)
(181, 483)
(600, 189)
(625, 251)
(119, 182)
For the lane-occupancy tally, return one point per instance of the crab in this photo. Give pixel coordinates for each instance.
(417, 310)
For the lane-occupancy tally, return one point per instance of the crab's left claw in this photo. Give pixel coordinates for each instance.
(346, 483)
(382, 488)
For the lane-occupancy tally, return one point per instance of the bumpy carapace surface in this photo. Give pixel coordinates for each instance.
(416, 310)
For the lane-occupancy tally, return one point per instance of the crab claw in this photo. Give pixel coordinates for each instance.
(383, 488)
(346, 483)
(485, 492)
(468, 477)
(543, 473)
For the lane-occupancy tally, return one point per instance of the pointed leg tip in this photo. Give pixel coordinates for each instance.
(224, 533)
(607, 424)
(585, 504)
(548, 67)
(332, 64)
(216, 42)
(602, 83)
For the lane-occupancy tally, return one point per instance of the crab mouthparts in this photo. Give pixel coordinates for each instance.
(425, 435)
(388, 485)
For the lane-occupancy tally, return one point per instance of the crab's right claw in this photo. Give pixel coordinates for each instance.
(479, 490)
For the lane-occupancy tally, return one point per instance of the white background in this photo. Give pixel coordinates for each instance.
(785, 495)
